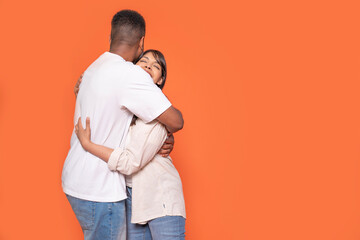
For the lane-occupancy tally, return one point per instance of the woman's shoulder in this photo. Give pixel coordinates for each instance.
(152, 132)
(150, 126)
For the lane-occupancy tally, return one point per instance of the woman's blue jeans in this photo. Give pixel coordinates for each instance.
(163, 228)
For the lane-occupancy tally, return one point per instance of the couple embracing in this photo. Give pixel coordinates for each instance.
(118, 177)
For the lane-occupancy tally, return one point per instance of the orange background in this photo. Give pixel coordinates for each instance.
(270, 95)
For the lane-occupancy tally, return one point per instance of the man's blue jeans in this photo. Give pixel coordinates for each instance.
(162, 228)
(100, 220)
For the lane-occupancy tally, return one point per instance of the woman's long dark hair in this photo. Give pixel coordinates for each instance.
(159, 57)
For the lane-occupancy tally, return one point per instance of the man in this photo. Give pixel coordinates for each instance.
(112, 90)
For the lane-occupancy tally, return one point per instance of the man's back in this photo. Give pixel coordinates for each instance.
(109, 88)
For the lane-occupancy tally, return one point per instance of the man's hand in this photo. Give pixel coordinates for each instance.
(168, 146)
(77, 85)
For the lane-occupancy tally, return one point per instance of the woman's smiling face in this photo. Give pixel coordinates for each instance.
(151, 66)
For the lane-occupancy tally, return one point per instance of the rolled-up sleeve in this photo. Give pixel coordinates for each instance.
(145, 141)
(115, 155)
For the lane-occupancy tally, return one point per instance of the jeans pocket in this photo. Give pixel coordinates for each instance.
(84, 211)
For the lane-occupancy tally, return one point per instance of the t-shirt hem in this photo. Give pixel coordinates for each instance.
(94, 198)
(151, 217)
(158, 113)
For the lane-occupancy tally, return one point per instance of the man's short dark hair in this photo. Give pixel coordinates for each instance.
(128, 27)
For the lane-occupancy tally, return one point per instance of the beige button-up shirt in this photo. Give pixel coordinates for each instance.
(157, 189)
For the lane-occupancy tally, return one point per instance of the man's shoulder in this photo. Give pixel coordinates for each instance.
(139, 72)
(121, 64)
(133, 73)
(110, 58)
(109, 62)
(114, 65)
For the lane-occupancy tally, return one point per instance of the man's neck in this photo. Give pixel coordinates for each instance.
(123, 51)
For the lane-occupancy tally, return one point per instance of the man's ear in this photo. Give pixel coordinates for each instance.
(141, 43)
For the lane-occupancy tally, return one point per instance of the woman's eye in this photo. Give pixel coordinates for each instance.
(142, 61)
(157, 67)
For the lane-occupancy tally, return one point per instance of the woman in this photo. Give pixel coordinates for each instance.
(155, 204)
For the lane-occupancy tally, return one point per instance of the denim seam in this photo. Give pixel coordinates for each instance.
(179, 228)
(93, 215)
(110, 217)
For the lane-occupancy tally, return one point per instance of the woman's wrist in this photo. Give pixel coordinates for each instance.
(86, 145)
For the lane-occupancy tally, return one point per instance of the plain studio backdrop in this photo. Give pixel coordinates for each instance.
(270, 95)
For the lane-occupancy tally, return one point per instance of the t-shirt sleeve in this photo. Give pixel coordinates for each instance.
(143, 98)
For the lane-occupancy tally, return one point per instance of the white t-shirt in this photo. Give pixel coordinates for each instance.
(112, 90)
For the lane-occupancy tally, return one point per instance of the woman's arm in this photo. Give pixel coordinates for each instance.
(145, 142)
